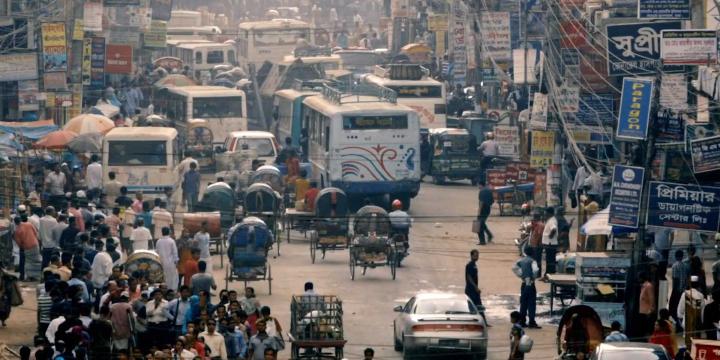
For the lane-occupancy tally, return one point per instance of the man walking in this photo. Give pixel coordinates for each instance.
(472, 286)
(55, 183)
(680, 279)
(26, 238)
(485, 201)
(167, 250)
(191, 187)
(550, 240)
(527, 270)
(140, 236)
(47, 238)
(202, 281)
(93, 178)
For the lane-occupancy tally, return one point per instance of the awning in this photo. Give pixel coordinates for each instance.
(598, 225)
(32, 130)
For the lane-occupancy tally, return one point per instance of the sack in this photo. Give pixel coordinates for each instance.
(16, 295)
(476, 226)
(526, 344)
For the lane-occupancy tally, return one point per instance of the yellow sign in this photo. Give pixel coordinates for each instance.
(438, 22)
(87, 61)
(53, 34)
(50, 101)
(78, 30)
(156, 36)
(440, 43)
(543, 147)
(77, 96)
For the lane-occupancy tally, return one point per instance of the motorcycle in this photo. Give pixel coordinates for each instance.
(525, 229)
(401, 239)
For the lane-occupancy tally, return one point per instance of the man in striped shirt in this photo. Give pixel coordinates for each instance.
(44, 303)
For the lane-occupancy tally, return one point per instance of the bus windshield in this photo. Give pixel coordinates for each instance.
(263, 147)
(137, 153)
(215, 57)
(278, 37)
(217, 107)
(417, 91)
(381, 122)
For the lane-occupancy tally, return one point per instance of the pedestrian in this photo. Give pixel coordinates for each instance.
(261, 341)
(563, 229)
(112, 190)
(102, 335)
(140, 238)
(691, 306)
(472, 285)
(272, 325)
(616, 334)
(537, 227)
(191, 267)
(648, 304)
(662, 335)
(550, 240)
(168, 253)
(93, 178)
(50, 245)
(680, 281)
(26, 238)
(697, 269)
(123, 200)
(191, 187)
(161, 218)
(516, 333)
(137, 204)
(101, 267)
(485, 201)
(368, 354)
(527, 270)
(157, 317)
(179, 352)
(202, 281)
(178, 308)
(202, 239)
(121, 315)
(711, 317)
(55, 182)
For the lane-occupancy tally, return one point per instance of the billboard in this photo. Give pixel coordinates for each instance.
(635, 48)
(688, 47)
(118, 59)
(634, 114)
(664, 9)
(625, 196)
(54, 47)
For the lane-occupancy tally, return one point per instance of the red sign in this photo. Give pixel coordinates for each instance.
(705, 349)
(118, 59)
(574, 34)
(522, 173)
(593, 68)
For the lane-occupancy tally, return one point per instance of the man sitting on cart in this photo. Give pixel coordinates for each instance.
(400, 221)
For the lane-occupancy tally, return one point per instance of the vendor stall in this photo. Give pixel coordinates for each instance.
(601, 281)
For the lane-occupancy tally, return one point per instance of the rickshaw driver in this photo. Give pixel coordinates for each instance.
(400, 221)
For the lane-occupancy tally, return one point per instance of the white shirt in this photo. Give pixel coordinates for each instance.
(128, 221)
(401, 219)
(161, 218)
(203, 240)
(696, 296)
(216, 343)
(167, 250)
(47, 224)
(34, 220)
(580, 176)
(101, 269)
(156, 314)
(52, 328)
(140, 237)
(550, 225)
(184, 355)
(489, 148)
(93, 176)
(56, 183)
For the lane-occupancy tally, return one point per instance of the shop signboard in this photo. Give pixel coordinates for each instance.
(78, 30)
(156, 37)
(674, 92)
(55, 81)
(458, 41)
(538, 116)
(670, 129)
(705, 349)
(705, 154)
(635, 103)
(97, 63)
(438, 22)
(161, 9)
(625, 196)
(28, 91)
(585, 134)
(93, 16)
(596, 109)
(568, 99)
(664, 9)
(635, 48)
(495, 29)
(508, 140)
(15, 67)
(683, 206)
(54, 47)
(542, 148)
(118, 59)
(86, 66)
(688, 47)
(574, 34)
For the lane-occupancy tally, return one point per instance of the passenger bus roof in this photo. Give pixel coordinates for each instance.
(205, 91)
(200, 45)
(365, 104)
(389, 82)
(274, 24)
(141, 133)
(292, 94)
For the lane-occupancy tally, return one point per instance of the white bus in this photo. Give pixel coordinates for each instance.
(364, 143)
(224, 109)
(422, 93)
(183, 18)
(272, 40)
(287, 109)
(210, 33)
(202, 57)
(143, 158)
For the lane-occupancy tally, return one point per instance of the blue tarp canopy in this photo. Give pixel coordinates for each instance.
(32, 130)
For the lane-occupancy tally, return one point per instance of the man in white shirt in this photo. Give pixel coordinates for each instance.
(167, 250)
(101, 268)
(161, 218)
(47, 239)
(550, 240)
(128, 218)
(140, 237)
(156, 308)
(55, 185)
(489, 147)
(214, 341)
(112, 190)
(202, 239)
(93, 177)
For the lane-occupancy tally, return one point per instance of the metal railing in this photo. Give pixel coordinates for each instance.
(359, 93)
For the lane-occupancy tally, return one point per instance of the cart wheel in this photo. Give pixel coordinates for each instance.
(313, 245)
(227, 277)
(392, 259)
(352, 265)
(269, 277)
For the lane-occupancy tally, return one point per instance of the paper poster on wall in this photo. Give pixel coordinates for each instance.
(28, 95)
(54, 47)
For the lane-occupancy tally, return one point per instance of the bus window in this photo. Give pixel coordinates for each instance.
(375, 122)
(215, 57)
(217, 107)
(327, 138)
(137, 153)
(415, 91)
(198, 57)
(231, 57)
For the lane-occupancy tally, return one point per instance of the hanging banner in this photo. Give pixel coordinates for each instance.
(538, 116)
(161, 9)
(495, 30)
(590, 134)
(508, 140)
(77, 99)
(596, 109)
(156, 37)
(97, 63)
(705, 154)
(569, 99)
(525, 74)
(121, 2)
(683, 206)
(688, 47)
(93, 16)
(15, 67)
(664, 9)
(574, 34)
(625, 196)
(86, 66)
(635, 48)
(28, 91)
(542, 148)
(669, 127)
(118, 59)
(54, 47)
(438, 22)
(78, 30)
(635, 103)
(458, 41)
(55, 81)
(674, 92)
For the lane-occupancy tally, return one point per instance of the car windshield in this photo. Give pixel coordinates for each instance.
(635, 355)
(445, 306)
(263, 147)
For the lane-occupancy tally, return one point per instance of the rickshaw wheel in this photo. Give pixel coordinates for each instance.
(352, 265)
(313, 245)
(269, 278)
(392, 260)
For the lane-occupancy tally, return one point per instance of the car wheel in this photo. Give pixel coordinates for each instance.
(398, 344)
(406, 354)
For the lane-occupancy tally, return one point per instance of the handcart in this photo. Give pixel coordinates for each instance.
(316, 323)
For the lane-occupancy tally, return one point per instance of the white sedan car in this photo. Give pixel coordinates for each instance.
(434, 322)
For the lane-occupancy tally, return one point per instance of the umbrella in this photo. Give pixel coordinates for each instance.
(598, 224)
(56, 140)
(86, 143)
(224, 82)
(105, 110)
(177, 80)
(89, 123)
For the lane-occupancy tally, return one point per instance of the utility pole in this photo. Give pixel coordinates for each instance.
(523, 31)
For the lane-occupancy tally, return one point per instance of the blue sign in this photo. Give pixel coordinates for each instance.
(635, 103)
(705, 154)
(664, 9)
(635, 48)
(683, 206)
(596, 110)
(625, 196)
(670, 128)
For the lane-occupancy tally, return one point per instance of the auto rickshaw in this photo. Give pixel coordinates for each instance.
(199, 143)
(454, 155)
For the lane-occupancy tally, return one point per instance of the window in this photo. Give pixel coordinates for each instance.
(445, 306)
(215, 57)
(262, 147)
(198, 57)
(415, 91)
(375, 122)
(137, 153)
(231, 57)
(217, 107)
(275, 37)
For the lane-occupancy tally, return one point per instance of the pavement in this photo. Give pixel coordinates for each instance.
(441, 240)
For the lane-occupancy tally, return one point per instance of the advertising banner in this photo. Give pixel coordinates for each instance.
(569, 99)
(97, 63)
(28, 91)
(590, 134)
(161, 9)
(683, 206)
(54, 47)
(118, 59)
(538, 116)
(77, 99)
(669, 127)
(664, 9)
(674, 92)
(495, 30)
(121, 2)
(156, 37)
(688, 47)
(458, 41)
(55, 81)
(705, 154)
(86, 66)
(93, 16)
(438, 22)
(508, 140)
(78, 30)
(542, 149)
(18, 67)
(635, 48)
(596, 109)
(573, 34)
(635, 103)
(625, 196)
